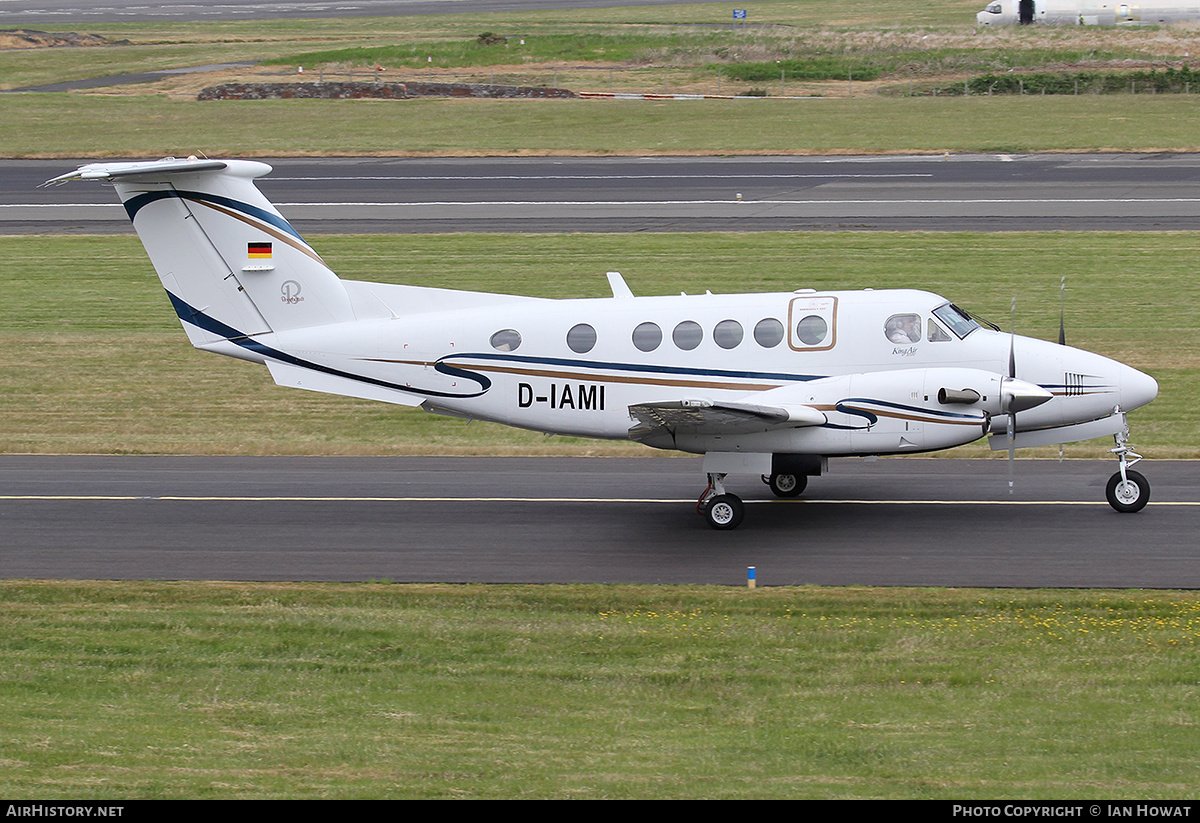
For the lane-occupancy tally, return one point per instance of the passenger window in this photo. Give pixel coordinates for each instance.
(935, 333)
(506, 340)
(581, 338)
(728, 334)
(687, 335)
(811, 330)
(768, 333)
(903, 328)
(812, 323)
(647, 336)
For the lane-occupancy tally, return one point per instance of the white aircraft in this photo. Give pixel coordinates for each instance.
(1086, 12)
(763, 384)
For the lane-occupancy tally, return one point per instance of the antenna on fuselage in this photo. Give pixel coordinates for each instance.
(618, 285)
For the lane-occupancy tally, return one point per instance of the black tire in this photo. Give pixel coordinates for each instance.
(724, 512)
(1129, 496)
(787, 485)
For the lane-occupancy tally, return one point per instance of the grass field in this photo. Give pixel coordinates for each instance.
(94, 360)
(161, 690)
(79, 126)
(687, 48)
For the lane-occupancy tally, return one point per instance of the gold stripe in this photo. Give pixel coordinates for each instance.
(271, 230)
(693, 384)
(898, 416)
(593, 378)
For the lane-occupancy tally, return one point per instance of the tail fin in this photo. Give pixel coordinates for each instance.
(232, 265)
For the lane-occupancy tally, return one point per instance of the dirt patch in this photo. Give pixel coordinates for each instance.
(387, 91)
(30, 39)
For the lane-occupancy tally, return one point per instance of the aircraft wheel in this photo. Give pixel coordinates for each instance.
(724, 512)
(787, 485)
(1129, 495)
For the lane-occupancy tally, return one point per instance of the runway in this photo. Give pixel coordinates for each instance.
(891, 522)
(48, 12)
(581, 194)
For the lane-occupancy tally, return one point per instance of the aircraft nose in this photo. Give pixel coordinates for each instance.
(1137, 388)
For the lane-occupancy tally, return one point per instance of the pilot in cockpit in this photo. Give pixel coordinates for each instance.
(903, 328)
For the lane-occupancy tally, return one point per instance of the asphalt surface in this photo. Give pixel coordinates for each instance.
(892, 522)
(398, 195)
(72, 14)
(897, 522)
(126, 79)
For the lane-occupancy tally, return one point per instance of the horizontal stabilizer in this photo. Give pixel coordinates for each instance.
(297, 377)
(111, 171)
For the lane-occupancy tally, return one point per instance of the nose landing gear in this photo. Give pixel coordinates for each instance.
(1127, 491)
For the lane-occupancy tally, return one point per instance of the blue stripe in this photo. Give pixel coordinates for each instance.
(136, 203)
(853, 412)
(190, 314)
(902, 407)
(634, 367)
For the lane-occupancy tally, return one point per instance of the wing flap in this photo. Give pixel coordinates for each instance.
(699, 416)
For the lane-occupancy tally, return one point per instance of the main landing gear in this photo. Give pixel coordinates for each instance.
(1127, 491)
(721, 510)
(786, 485)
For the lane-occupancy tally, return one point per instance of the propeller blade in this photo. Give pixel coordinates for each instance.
(1012, 414)
(1012, 341)
(1062, 310)
(1012, 451)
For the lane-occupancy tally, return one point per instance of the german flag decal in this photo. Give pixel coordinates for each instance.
(258, 250)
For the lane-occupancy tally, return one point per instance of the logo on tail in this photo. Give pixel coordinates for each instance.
(290, 292)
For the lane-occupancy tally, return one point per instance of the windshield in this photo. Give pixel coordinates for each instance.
(993, 8)
(958, 320)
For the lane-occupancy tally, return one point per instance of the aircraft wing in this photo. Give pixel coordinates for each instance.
(701, 416)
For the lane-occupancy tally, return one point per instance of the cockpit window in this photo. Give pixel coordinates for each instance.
(903, 328)
(935, 333)
(958, 320)
(992, 8)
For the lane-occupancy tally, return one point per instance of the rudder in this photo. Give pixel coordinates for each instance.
(231, 263)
